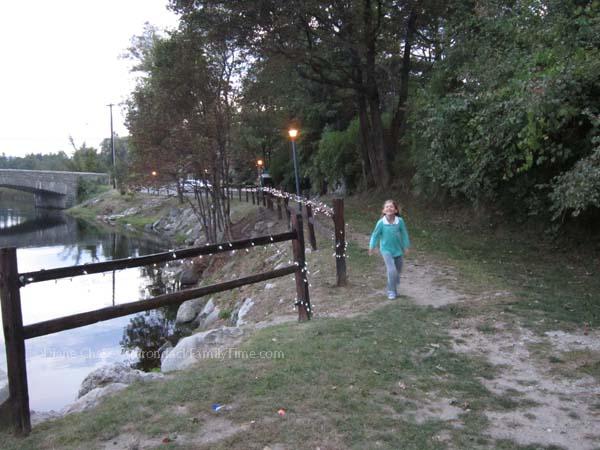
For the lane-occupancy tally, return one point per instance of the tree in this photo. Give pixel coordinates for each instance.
(510, 116)
(344, 44)
(121, 169)
(180, 117)
(86, 159)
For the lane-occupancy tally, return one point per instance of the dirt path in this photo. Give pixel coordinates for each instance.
(555, 407)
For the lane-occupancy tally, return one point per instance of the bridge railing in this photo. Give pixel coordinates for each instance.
(15, 333)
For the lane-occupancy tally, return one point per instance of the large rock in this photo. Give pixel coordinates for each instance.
(92, 398)
(206, 345)
(189, 276)
(188, 311)
(208, 316)
(115, 373)
(244, 309)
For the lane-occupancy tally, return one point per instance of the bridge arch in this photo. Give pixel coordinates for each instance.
(51, 189)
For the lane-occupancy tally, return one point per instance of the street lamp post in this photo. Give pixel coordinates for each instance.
(293, 134)
(260, 164)
(112, 147)
(154, 173)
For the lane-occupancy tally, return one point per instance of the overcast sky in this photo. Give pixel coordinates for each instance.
(61, 65)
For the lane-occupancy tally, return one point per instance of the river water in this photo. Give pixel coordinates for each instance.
(57, 363)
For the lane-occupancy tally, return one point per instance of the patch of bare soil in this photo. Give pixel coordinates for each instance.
(213, 430)
(557, 410)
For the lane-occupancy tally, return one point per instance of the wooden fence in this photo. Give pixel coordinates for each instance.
(15, 333)
(269, 197)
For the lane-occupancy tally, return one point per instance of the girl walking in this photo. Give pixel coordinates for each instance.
(394, 243)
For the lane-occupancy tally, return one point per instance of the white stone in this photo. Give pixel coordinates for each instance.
(115, 373)
(208, 308)
(189, 310)
(244, 309)
(92, 398)
(206, 320)
(208, 344)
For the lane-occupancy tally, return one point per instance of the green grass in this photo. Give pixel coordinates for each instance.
(340, 375)
(549, 286)
(138, 221)
(359, 382)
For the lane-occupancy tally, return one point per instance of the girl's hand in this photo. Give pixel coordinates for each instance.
(406, 251)
(370, 251)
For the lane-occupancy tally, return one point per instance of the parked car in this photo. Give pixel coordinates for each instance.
(190, 185)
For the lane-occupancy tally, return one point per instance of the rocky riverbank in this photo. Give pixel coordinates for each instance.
(212, 326)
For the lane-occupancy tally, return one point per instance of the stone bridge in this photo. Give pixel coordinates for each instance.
(56, 190)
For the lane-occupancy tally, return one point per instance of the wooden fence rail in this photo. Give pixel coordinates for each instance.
(339, 226)
(15, 333)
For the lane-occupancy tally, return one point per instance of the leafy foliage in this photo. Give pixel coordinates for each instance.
(510, 115)
(338, 157)
(37, 161)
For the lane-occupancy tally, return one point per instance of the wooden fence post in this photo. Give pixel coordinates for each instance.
(246, 194)
(302, 295)
(253, 196)
(12, 320)
(264, 198)
(279, 213)
(340, 241)
(270, 201)
(311, 227)
(240, 193)
(286, 204)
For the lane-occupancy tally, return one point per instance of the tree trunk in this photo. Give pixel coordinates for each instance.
(398, 125)
(371, 122)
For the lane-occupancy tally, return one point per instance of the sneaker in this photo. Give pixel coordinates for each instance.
(391, 296)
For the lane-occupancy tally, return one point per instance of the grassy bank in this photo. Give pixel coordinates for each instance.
(365, 373)
(547, 280)
(350, 383)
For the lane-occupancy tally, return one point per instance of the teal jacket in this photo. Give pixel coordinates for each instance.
(392, 237)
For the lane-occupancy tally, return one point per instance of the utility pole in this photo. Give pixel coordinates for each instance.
(112, 147)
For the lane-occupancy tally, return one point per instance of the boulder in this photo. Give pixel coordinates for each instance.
(92, 398)
(188, 311)
(164, 350)
(208, 316)
(114, 373)
(244, 309)
(189, 275)
(208, 344)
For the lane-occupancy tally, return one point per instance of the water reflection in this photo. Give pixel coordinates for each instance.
(146, 333)
(57, 363)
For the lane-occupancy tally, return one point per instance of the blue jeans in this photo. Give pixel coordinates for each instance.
(393, 266)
